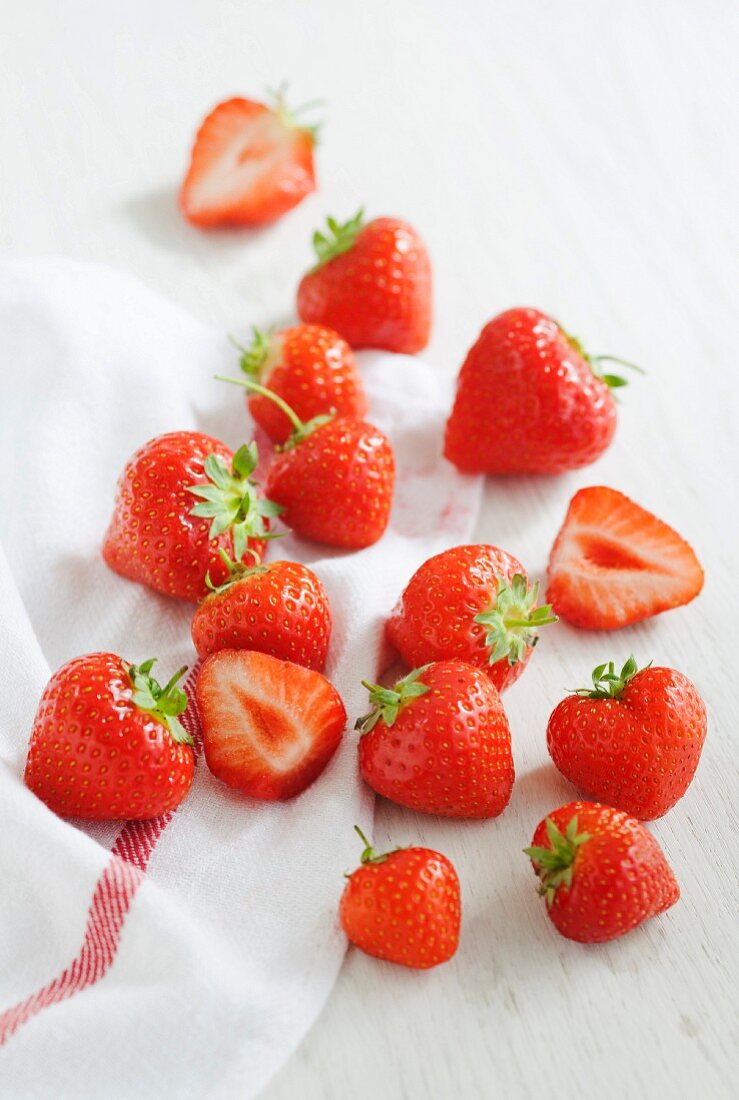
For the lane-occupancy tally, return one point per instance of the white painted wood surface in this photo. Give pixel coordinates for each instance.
(575, 156)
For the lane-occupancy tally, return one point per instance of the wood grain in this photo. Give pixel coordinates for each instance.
(574, 156)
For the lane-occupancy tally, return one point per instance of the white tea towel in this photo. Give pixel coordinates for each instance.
(185, 957)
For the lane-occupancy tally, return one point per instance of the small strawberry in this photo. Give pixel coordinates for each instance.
(473, 603)
(530, 400)
(633, 740)
(161, 537)
(439, 742)
(601, 871)
(270, 727)
(309, 367)
(107, 743)
(250, 164)
(613, 563)
(333, 479)
(403, 906)
(280, 608)
(372, 283)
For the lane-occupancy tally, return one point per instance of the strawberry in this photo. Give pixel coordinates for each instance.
(309, 367)
(633, 740)
(530, 400)
(107, 743)
(250, 164)
(333, 479)
(601, 871)
(439, 742)
(161, 537)
(280, 608)
(403, 906)
(372, 283)
(613, 563)
(269, 727)
(473, 603)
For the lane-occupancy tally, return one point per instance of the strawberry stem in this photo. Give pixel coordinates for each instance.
(369, 855)
(163, 703)
(513, 622)
(555, 865)
(613, 381)
(301, 429)
(609, 684)
(388, 702)
(254, 357)
(340, 238)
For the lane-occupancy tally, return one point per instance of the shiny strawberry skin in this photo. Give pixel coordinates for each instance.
(280, 608)
(249, 166)
(448, 752)
(314, 370)
(336, 484)
(613, 563)
(378, 294)
(638, 752)
(93, 754)
(527, 401)
(434, 618)
(153, 538)
(405, 909)
(620, 876)
(270, 727)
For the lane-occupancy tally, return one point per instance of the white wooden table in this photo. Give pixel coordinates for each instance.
(573, 156)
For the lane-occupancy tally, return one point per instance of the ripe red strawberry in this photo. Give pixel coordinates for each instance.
(309, 367)
(250, 164)
(333, 479)
(601, 871)
(280, 608)
(530, 400)
(473, 603)
(372, 283)
(439, 742)
(613, 563)
(403, 906)
(161, 537)
(106, 743)
(269, 727)
(633, 740)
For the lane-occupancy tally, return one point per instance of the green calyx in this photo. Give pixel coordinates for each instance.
(369, 855)
(255, 356)
(163, 703)
(613, 381)
(230, 499)
(289, 116)
(555, 865)
(237, 570)
(301, 428)
(388, 702)
(512, 623)
(339, 239)
(609, 684)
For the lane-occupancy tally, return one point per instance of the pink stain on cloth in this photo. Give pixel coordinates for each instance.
(187, 956)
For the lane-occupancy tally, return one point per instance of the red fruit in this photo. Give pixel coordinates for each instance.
(601, 871)
(473, 603)
(333, 479)
(633, 740)
(613, 563)
(309, 367)
(280, 608)
(161, 537)
(529, 400)
(250, 163)
(106, 743)
(269, 727)
(439, 742)
(372, 283)
(403, 906)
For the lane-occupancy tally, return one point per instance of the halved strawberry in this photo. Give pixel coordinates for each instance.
(269, 727)
(613, 563)
(250, 164)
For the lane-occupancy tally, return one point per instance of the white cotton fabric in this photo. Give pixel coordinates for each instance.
(232, 943)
